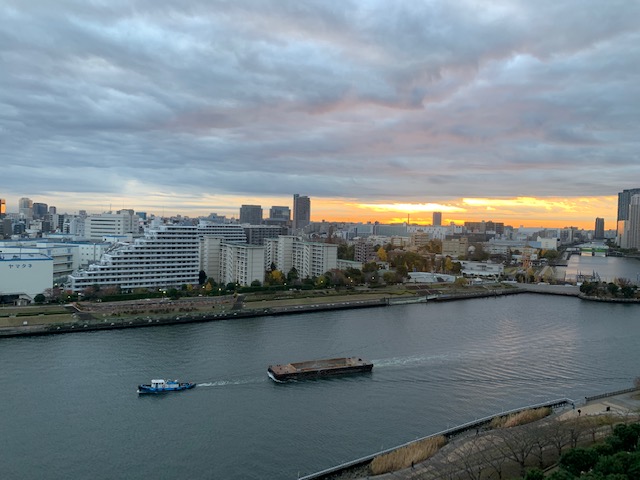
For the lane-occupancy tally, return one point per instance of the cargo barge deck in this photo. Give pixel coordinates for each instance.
(319, 368)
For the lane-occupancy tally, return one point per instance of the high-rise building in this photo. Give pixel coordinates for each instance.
(40, 210)
(301, 212)
(25, 208)
(279, 213)
(599, 229)
(251, 214)
(108, 224)
(52, 210)
(3, 207)
(624, 200)
(437, 219)
(308, 258)
(631, 235)
(167, 256)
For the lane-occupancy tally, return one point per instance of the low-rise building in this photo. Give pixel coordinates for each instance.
(24, 275)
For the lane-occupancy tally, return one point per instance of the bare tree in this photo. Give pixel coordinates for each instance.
(540, 445)
(470, 459)
(517, 444)
(493, 456)
(558, 435)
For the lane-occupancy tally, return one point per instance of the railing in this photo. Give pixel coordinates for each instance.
(610, 394)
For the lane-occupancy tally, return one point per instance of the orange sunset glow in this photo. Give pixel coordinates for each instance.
(520, 211)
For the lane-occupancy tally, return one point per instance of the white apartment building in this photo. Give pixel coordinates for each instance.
(308, 258)
(105, 224)
(167, 256)
(433, 231)
(211, 256)
(242, 263)
(232, 233)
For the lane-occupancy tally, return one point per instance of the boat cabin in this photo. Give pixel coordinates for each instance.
(158, 384)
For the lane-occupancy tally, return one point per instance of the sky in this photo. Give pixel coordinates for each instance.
(519, 112)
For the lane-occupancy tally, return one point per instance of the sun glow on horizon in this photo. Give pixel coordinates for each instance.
(552, 212)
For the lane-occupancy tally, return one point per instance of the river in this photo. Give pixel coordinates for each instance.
(607, 268)
(70, 407)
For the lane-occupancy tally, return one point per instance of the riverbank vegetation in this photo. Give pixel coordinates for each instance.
(407, 456)
(620, 288)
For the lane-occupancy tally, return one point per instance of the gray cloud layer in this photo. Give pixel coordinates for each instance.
(409, 101)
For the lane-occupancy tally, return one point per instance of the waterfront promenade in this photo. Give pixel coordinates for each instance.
(618, 407)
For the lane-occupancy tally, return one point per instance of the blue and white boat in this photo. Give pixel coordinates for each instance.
(160, 386)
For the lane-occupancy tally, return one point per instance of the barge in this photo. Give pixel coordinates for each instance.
(319, 368)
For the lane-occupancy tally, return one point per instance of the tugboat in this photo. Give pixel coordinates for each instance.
(160, 386)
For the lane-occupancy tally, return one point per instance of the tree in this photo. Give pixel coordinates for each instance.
(323, 281)
(274, 277)
(346, 252)
(534, 474)
(612, 288)
(202, 277)
(382, 254)
(256, 283)
(517, 444)
(579, 460)
(448, 265)
(292, 275)
(370, 267)
(354, 276)
(39, 298)
(391, 277)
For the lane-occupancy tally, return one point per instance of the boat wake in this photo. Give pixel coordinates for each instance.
(237, 381)
(408, 361)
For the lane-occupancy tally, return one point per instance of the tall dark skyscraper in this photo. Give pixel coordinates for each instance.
(251, 214)
(279, 213)
(599, 229)
(437, 219)
(301, 211)
(624, 200)
(40, 210)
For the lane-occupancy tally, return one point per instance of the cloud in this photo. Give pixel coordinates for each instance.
(368, 102)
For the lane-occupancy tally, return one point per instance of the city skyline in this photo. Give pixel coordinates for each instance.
(422, 217)
(514, 112)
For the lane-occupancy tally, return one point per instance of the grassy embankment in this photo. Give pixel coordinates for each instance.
(34, 315)
(216, 305)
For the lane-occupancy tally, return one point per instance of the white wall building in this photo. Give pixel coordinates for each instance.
(481, 269)
(65, 256)
(105, 224)
(25, 275)
(548, 243)
(308, 258)
(242, 263)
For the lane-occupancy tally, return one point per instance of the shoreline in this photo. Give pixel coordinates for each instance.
(90, 316)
